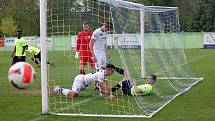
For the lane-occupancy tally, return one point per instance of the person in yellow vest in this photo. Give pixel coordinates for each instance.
(129, 86)
(36, 55)
(19, 54)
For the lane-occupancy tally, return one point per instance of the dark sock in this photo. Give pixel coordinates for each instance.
(119, 70)
(82, 72)
(35, 60)
(116, 87)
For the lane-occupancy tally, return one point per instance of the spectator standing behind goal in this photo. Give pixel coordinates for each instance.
(19, 49)
(82, 48)
(98, 44)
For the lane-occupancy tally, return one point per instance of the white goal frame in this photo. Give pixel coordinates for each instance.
(43, 37)
(44, 72)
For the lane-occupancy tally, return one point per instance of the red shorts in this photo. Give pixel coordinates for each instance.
(84, 60)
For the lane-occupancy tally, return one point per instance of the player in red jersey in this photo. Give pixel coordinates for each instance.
(82, 48)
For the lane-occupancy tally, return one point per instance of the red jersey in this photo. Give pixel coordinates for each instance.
(83, 43)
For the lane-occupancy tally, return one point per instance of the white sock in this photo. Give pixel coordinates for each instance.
(65, 91)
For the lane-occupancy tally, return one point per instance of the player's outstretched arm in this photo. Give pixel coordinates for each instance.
(91, 44)
(101, 87)
(105, 89)
(126, 75)
(24, 48)
(119, 70)
(78, 44)
(109, 89)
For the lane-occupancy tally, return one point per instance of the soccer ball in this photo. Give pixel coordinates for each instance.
(21, 75)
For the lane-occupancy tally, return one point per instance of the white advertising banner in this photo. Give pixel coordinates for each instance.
(209, 40)
(10, 41)
(30, 40)
(117, 40)
(48, 41)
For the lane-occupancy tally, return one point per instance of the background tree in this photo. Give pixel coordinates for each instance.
(195, 15)
(8, 26)
(205, 19)
(24, 12)
(188, 10)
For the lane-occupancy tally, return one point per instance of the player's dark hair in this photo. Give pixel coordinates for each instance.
(119, 70)
(108, 24)
(85, 22)
(110, 66)
(19, 31)
(154, 77)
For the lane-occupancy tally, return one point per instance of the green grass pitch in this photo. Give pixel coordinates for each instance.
(195, 105)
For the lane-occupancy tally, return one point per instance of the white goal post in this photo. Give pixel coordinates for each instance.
(43, 38)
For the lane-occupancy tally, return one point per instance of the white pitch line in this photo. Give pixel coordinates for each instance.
(198, 58)
(83, 101)
(77, 104)
(38, 118)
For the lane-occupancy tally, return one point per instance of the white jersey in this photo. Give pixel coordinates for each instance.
(81, 81)
(100, 39)
(100, 76)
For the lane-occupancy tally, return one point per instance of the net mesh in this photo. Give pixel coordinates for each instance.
(157, 51)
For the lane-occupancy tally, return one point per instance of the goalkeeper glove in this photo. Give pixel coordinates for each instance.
(77, 55)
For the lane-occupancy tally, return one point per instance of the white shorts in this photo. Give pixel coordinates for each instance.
(101, 59)
(78, 83)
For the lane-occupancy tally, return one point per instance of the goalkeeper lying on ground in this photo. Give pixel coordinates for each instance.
(129, 86)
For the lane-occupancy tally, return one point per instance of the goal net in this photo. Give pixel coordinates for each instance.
(145, 39)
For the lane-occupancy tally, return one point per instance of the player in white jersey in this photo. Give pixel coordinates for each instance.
(82, 81)
(98, 44)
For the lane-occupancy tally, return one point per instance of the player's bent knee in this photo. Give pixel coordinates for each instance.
(82, 66)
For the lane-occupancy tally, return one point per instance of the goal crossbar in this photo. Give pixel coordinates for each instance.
(137, 6)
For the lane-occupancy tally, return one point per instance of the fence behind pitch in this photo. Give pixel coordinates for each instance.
(190, 40)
